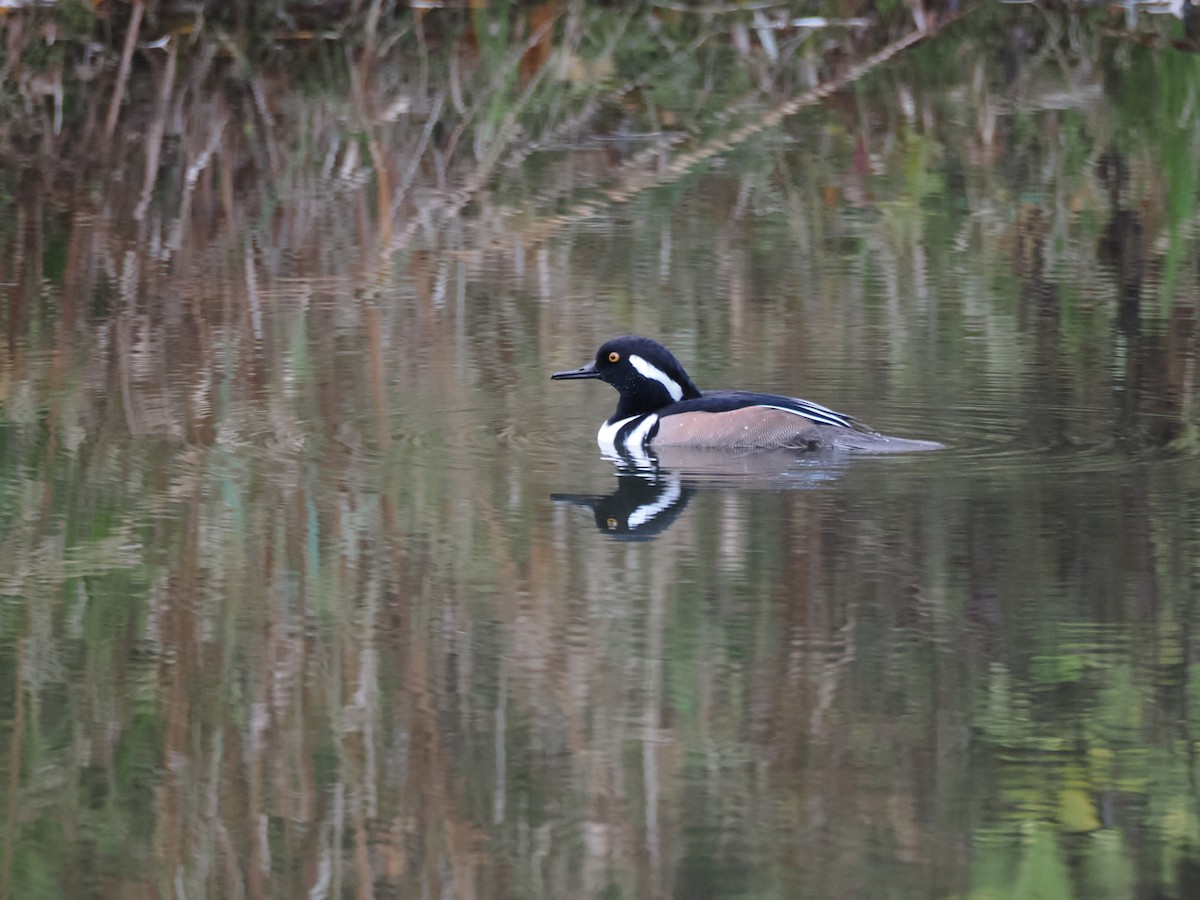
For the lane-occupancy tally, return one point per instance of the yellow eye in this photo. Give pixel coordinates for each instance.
(614, 356)
(612, 523)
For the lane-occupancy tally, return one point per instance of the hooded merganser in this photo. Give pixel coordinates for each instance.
(661, 406)
(641, 508)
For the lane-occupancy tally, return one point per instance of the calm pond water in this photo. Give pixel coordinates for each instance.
(313, 584)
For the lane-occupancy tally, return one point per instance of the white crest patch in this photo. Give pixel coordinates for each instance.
(649, 370)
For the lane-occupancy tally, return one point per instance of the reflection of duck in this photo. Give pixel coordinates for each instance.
(661, 406)
(654, 487)
(746, 469)
(643, 506)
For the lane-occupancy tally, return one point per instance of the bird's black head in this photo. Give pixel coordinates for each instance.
(643, 371)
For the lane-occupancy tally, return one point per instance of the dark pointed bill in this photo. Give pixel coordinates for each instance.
(588, 371)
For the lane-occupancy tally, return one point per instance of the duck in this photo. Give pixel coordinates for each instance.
(642, 507)
(660, 406)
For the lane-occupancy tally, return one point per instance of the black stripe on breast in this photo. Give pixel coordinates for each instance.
(619, 436)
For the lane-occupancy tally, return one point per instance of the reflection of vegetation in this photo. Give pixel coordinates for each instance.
(281, 608)
(1158, 96)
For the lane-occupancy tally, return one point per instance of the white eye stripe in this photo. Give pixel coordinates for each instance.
(649, 370)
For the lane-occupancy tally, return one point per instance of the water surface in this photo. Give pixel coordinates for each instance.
(313, 584)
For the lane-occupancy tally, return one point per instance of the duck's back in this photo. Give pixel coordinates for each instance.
(749, 426)
(737, 420)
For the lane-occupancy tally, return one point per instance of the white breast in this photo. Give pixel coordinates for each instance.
(611, 441)
(607, 436)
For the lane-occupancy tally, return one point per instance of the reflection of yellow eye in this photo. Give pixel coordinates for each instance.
(614, 356)
(611, 523)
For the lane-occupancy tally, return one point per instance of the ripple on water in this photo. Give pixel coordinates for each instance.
(988, 440)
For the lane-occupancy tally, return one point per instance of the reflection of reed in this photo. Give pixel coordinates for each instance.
(14, 761)
(669, 170)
